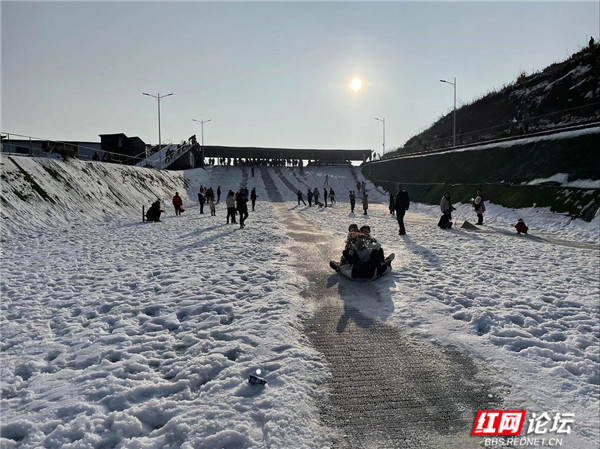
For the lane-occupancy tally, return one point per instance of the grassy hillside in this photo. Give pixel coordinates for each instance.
(504, 172)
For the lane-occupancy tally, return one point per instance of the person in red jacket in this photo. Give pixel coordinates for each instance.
(177, 202)
(521, 227)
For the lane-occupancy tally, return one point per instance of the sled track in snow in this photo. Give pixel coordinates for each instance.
(285, 181)
(387, 389)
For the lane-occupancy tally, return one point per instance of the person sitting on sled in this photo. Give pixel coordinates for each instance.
(363, 257)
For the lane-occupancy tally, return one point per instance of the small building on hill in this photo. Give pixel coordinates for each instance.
(122, 149)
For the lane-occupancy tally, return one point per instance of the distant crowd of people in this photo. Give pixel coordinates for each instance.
(237, 204)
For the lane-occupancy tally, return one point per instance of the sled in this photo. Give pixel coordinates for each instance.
(363, 272)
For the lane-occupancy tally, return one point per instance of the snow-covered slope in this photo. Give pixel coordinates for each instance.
(44, 192)
(118, 333)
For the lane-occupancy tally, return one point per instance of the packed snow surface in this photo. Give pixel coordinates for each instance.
(119, 333)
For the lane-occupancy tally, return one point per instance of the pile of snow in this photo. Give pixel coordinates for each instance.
(563, 179)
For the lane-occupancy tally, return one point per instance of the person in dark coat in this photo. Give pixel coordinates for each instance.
(201, 200)
(241, 202)
(316, 197)
(521, 227)
(309, 196)
(153, 213)
(253, 197)
(392, 203)
(401, 206)
(218, 194)
(177, 203)
(300, 198)
(352, 197)
(331, 196)
(325, 196)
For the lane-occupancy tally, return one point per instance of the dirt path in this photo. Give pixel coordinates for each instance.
(386, 390)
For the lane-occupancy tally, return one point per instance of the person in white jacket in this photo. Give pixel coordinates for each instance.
(479, 207)
(230, 203)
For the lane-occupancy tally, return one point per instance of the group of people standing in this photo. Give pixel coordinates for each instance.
(315, 196)
(236, 203)
(207, 195)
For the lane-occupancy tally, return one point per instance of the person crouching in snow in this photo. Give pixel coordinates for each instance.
(153, 214)
(447, 208)
(521, 227)
(363, 257)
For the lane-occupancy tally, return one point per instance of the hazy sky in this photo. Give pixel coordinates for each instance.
(269, 74)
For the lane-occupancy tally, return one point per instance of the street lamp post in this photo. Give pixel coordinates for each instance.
(202, 122)
(158, 98)
(382, 120)
(453, 85)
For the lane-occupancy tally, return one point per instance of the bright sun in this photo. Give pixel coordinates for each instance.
(356, 84)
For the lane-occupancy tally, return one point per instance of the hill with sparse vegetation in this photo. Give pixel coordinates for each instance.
(562, 94)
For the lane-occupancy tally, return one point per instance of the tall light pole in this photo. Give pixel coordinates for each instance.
(454, 85)
(202, 122)
(158, 97)
(382, 120)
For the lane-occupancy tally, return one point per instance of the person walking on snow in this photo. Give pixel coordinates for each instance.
(230, 203)
(365, 201)
(331, 196)
(211, 205)
(253, 197)
(309, 196)
(300, 197)
(479, 207)
(316, 196)
(325, 196)
(392, 205)
(177, 202)
(201, 200)
(241, 202)
(401, 206)
(352, 197)
(218, 194)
